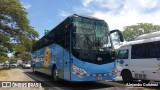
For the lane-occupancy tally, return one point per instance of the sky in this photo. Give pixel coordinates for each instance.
(47, 14)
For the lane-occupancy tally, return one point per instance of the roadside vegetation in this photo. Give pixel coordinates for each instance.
(133, 31)
(16, 35)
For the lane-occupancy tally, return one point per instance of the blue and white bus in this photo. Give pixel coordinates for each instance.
(78, 49)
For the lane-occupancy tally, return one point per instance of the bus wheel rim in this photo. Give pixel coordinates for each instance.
(55, 74)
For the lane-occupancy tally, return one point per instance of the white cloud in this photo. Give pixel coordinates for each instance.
(63, 13)
(83, 10)
(110, 4)
(131, 18)
(26, 5)
(86, 2)
(120, 13)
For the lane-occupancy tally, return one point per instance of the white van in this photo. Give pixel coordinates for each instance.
(139, 60)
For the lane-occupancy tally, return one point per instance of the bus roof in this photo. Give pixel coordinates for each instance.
(148, 35)
(141, 41)
(86, 17)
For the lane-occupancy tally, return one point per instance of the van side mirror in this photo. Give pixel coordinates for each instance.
(119, 34)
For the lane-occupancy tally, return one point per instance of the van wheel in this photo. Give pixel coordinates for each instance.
(54, 74)
(127, 76)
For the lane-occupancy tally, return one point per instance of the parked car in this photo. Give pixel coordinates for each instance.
(13, 65)
(19, 63)
(26, 65)
(6, 65)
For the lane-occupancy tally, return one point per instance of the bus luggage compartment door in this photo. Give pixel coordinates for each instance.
(66, 66)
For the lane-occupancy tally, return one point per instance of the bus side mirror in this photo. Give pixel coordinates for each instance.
(119, 34)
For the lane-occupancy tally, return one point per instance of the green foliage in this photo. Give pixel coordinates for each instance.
(25, 56)
(3, 59)
(13, 59)
(15, 28)
(131, 32)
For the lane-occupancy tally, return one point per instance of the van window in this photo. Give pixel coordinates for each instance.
(123, 54)
(146, 50)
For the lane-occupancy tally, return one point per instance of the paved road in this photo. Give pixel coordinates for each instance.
(63, 85)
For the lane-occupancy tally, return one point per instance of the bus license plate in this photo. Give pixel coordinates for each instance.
(99, 78)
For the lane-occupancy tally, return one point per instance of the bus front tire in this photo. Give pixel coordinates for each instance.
(127, 76)
(54, 74)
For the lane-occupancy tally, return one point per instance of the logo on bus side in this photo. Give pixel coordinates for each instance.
(46, 58)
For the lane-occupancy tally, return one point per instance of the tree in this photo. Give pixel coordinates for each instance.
(15, 32)
(3, 59)
(131, 32)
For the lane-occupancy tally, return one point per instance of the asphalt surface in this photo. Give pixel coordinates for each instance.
(48, 84)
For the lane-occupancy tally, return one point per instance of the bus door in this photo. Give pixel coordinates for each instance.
(67, 56)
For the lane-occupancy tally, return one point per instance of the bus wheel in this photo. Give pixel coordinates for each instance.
(127, 76)
(55, 74)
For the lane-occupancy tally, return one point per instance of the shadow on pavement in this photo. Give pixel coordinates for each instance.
(47, 82)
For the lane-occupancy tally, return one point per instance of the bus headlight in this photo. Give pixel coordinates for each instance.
(78, 70)
(99, 59)
(82, 70)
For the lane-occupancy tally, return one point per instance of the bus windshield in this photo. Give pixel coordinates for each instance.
(91, 35)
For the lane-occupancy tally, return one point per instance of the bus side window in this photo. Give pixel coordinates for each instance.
(123, 54)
